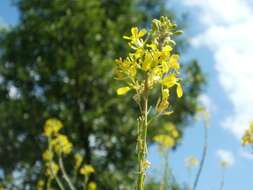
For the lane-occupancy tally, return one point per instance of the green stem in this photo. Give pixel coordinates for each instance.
(222, 180)
(141, 139)
(65, 175)
(203, 157)
(86, 179)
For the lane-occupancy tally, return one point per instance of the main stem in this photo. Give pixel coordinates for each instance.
(142, 139)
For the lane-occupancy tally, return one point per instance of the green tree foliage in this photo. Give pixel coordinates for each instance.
(57, 62)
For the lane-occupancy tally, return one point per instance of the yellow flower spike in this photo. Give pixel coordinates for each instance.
(92, 186)
(87, 170)
(123, 90)
(179, 90)
(150, 64)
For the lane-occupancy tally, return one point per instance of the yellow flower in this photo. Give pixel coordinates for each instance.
(52, 126)
(146, 65)
(92, 186)
(136, 35)
(169, 81)
(191, 161)
(87, 169)
(165, 141)
(224, 164)
(173, 62)
(78, 160)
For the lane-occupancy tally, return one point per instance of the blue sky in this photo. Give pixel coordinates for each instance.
(220, 32)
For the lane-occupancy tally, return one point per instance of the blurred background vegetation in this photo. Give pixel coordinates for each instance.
(58, 62)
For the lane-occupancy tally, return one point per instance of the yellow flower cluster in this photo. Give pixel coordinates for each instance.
(58, 142)
(152, 62)
(247, 138)
(61, 144)
(52, 126)
(168, 139)
(191, 161)
(87, 170)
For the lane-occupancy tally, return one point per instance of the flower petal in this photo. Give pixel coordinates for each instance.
(122, 90)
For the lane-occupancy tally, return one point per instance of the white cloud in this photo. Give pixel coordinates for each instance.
(228, 27)
(247, 155)
(226, 156)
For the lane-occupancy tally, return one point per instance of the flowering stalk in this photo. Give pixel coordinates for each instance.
(59, 145)
(151, 63)
(53, 171)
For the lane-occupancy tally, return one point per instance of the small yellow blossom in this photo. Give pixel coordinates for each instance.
(78, 160)
(191, 162)
(92, 186)
(165, 141)
(136, 35)
(52, 126)
(87, 169)
(47, 155)
(146, 164)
